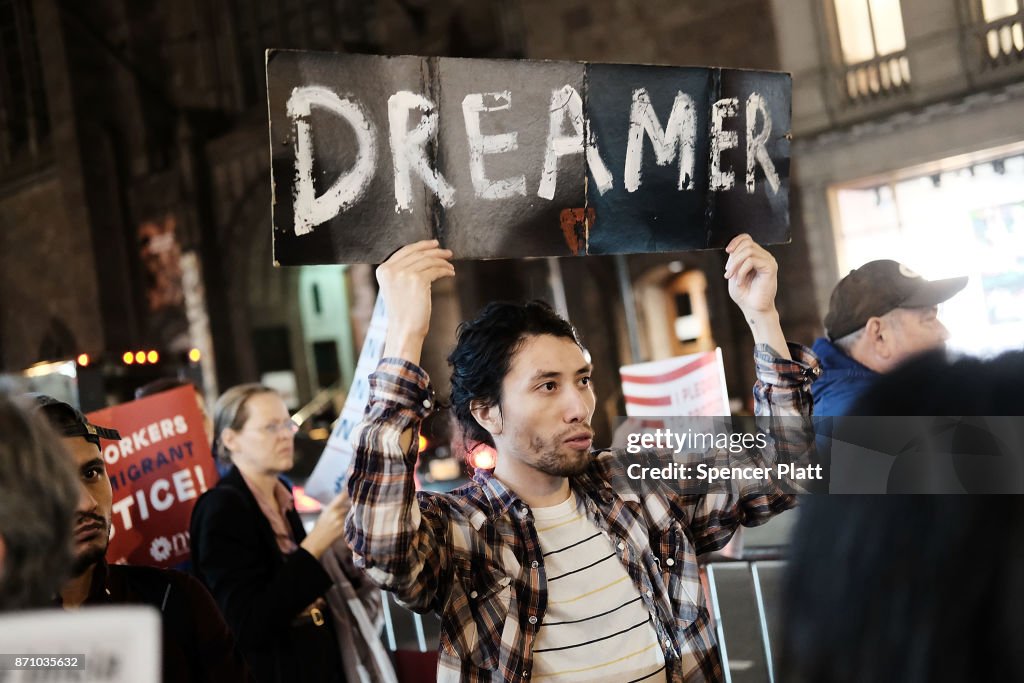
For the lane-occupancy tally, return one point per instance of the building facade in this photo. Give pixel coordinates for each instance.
(135, 192)
(908, 122)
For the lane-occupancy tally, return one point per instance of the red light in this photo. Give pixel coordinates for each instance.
(484, 457)
(422, 443)
(140, 357)
(304, 503)
(83, 359)
(128, 358)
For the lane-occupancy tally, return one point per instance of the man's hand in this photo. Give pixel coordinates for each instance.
(405, 281)
(751, 272)
(753, 282)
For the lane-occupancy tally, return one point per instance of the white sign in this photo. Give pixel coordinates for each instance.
(331, 472)
(683, 386)
(107, 644)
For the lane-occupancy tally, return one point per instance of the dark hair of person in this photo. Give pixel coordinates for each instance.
(484, 351)
(912, 588)
(905, 588)
(935, 384)
(39, 493)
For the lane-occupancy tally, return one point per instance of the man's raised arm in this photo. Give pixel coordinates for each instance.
(399, 540)
(782, 390)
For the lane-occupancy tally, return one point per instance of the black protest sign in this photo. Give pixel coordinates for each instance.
(700, 156)
(508, 159)
(493, 154)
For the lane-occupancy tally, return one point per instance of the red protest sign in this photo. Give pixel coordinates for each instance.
(157, 471)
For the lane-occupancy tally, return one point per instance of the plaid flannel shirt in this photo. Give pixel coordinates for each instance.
(473, 555)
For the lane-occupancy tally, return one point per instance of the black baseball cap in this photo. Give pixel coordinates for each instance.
(879, 287)
(69, 421)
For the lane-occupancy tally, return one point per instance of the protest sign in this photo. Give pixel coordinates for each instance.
(518, 158)
(683, 386)
(331, 471)
(157, 471)
(86, 645)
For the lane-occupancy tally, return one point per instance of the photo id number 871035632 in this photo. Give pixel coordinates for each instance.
(24, 662)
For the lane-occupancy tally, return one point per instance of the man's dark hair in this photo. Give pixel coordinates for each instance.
(934, 384)
(874, 584)
(483, 355)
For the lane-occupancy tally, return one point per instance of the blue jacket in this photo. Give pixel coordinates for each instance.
(843, 380)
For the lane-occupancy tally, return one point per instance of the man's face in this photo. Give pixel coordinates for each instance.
(914, 331)
(546, 407)
(92, 516)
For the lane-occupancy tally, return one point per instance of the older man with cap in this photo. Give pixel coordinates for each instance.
(879, 315)
(197, 645)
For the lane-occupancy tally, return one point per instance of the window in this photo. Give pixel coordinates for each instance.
(24, 120)
(872, 48)
(1002, 31)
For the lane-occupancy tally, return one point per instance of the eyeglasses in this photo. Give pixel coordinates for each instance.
(273, 428)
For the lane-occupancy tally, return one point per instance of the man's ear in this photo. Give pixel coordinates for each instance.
(878, 334)
(487, 415)
(873, 328)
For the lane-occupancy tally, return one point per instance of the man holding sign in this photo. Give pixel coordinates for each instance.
(197, 645)
(552, 566)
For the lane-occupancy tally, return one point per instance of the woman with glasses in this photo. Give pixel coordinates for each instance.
(250, 549)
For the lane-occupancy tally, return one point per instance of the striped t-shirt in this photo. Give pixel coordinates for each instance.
(596, 627)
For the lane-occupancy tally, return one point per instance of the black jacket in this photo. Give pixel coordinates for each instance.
(197, 646)
(259, 589)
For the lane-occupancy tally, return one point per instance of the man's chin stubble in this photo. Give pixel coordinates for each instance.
(86, 559)
(564, 466)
